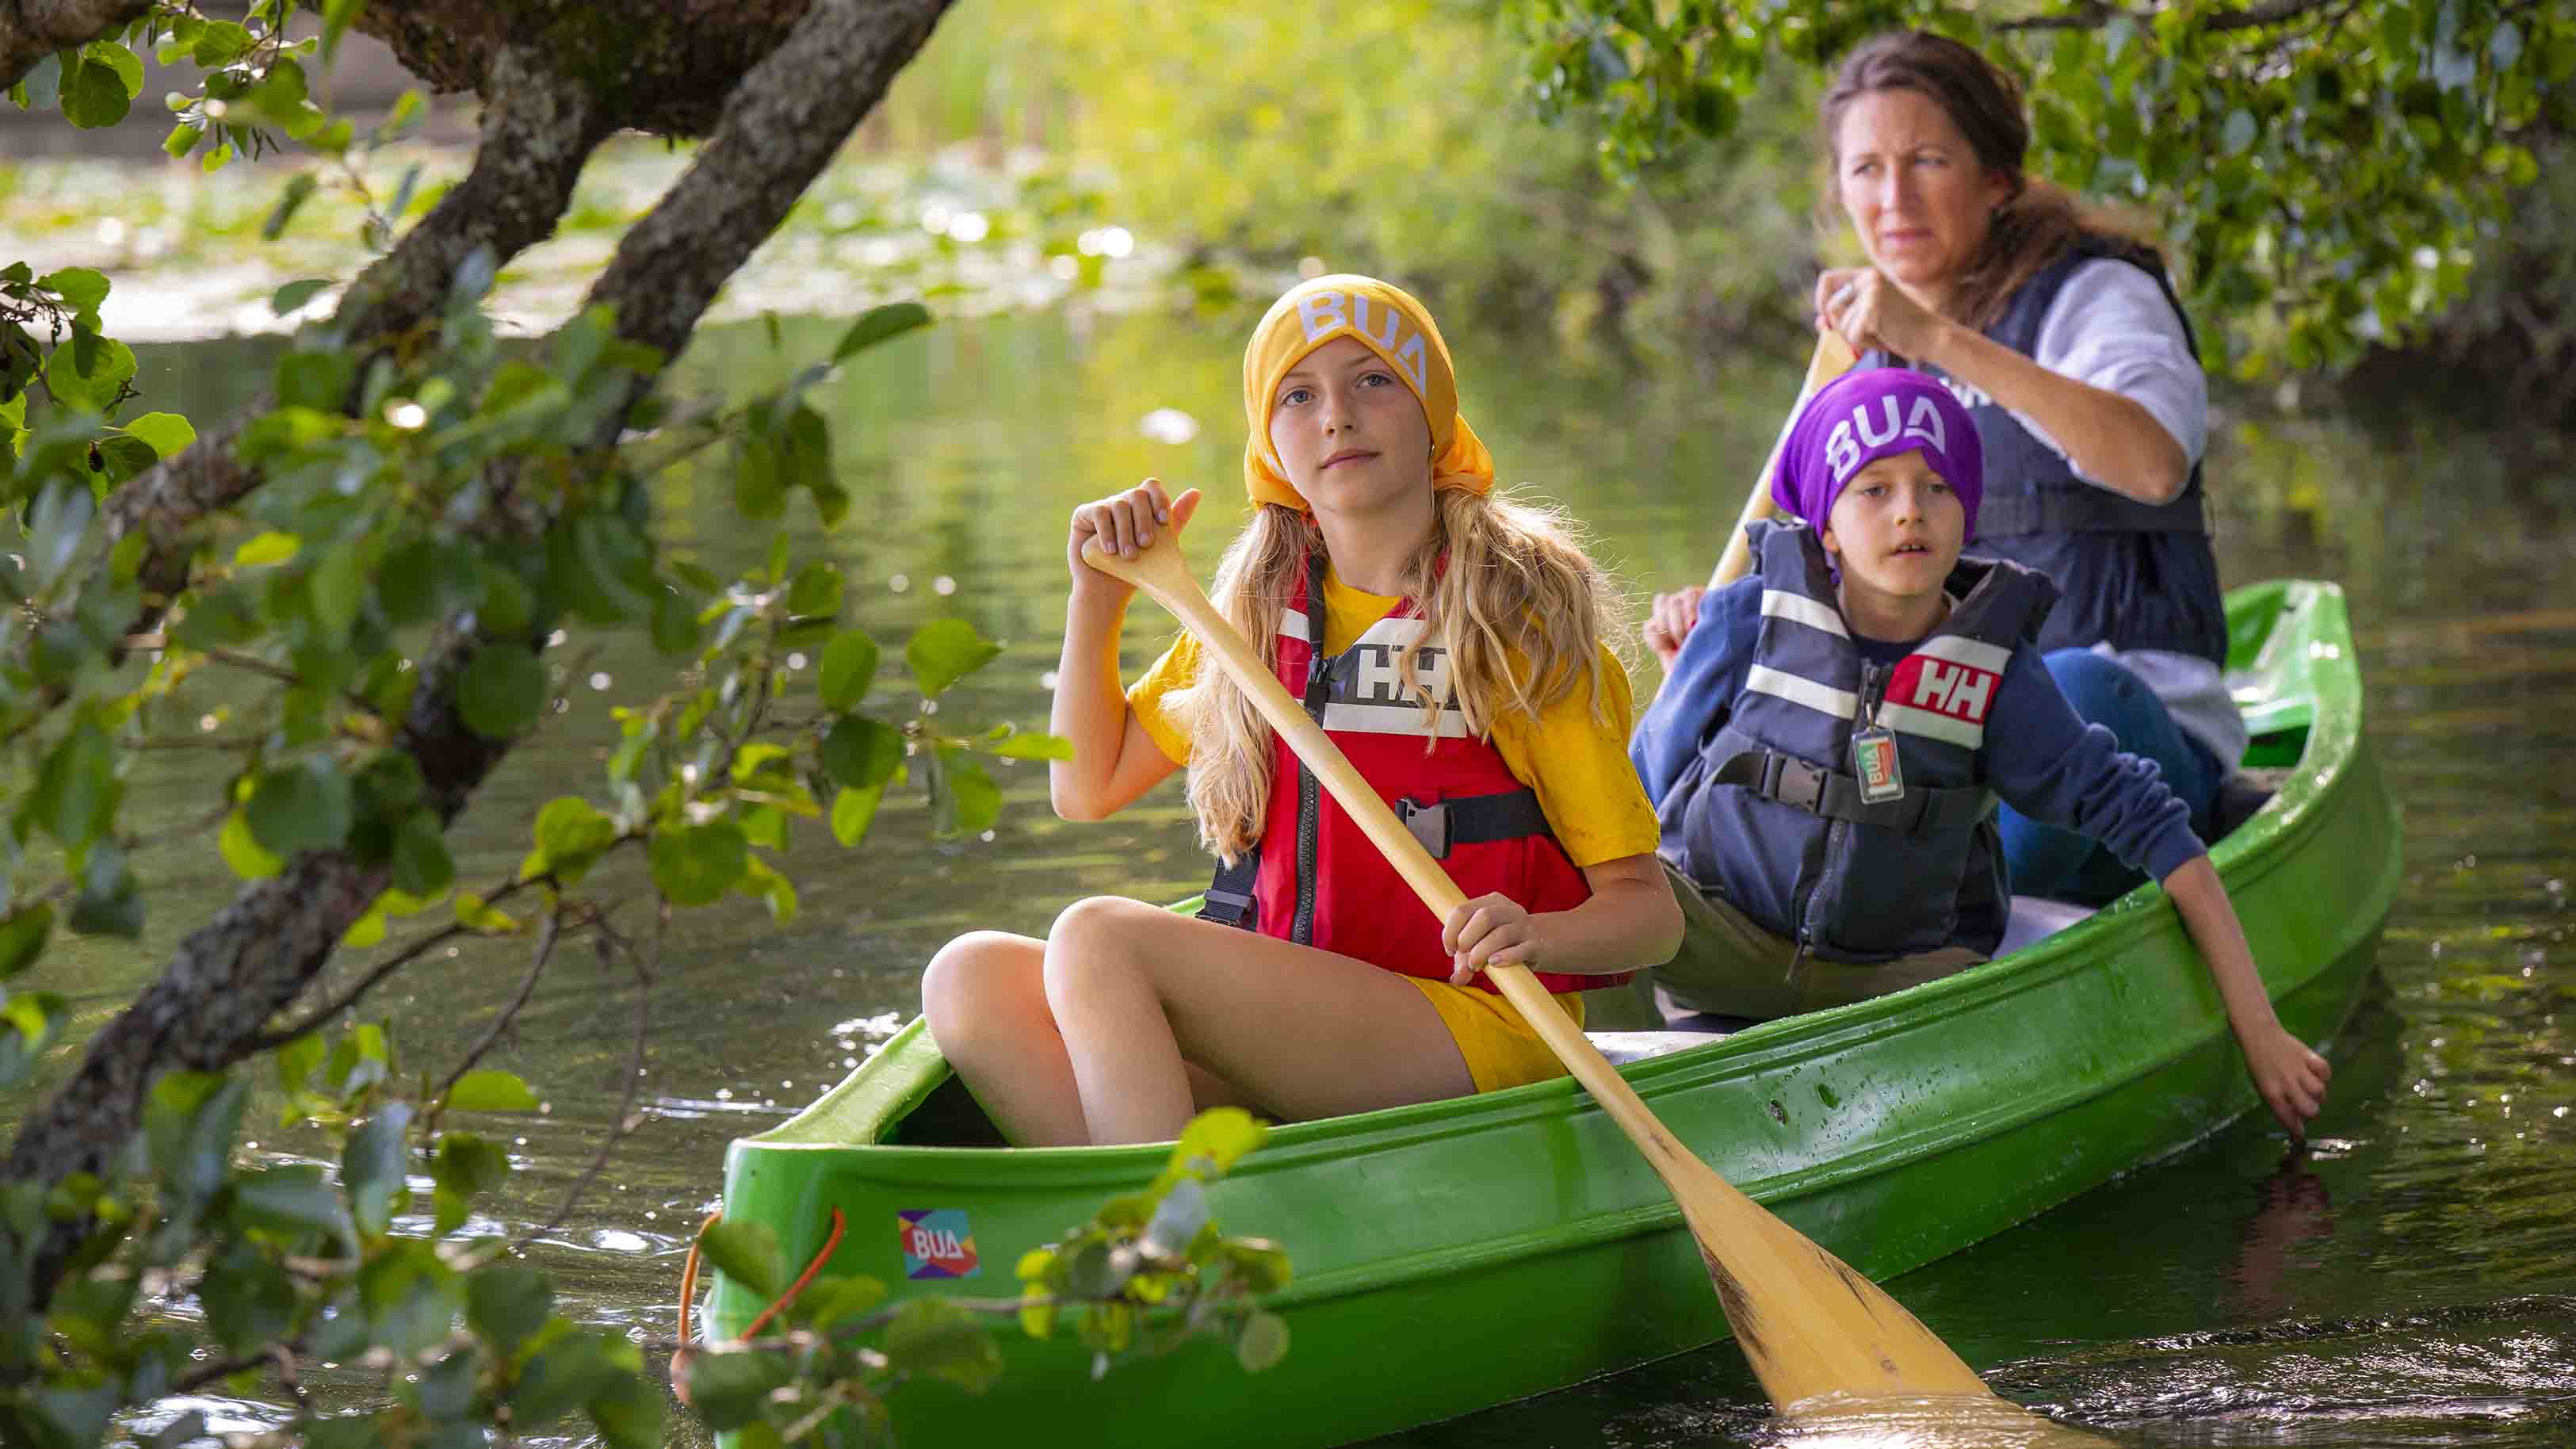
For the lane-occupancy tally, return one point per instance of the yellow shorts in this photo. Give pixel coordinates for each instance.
(1500, 1047)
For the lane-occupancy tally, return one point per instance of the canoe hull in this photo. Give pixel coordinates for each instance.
(1456, 1255)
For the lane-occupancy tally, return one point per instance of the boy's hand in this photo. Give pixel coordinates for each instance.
(1491, 930)
(1670, 622)
(2291, 1078)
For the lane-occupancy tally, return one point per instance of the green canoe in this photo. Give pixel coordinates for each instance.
(1892, 1131)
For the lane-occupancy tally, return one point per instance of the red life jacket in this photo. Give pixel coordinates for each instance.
(1317, 879)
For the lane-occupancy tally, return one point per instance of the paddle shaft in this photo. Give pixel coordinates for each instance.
(1833, 358)
(1808, 1323)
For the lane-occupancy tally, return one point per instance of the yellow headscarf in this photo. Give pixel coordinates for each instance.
(1387, 321)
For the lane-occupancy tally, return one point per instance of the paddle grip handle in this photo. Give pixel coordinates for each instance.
(1833, 357)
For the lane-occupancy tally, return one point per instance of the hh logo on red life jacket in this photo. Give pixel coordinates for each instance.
(1961, 691)
(937, 1243)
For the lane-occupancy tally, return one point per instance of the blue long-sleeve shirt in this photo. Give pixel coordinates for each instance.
(2043, 759)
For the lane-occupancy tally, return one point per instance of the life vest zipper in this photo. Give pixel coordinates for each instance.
(1873, 678)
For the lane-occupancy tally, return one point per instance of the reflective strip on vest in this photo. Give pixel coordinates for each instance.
(1798, 608)
(1822, 698)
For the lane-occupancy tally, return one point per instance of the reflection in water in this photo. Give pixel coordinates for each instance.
(2429, 1305)
(2291, 1206)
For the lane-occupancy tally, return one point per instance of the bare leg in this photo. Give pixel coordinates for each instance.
(1139, 993)
(986, 1000)
(985, 995)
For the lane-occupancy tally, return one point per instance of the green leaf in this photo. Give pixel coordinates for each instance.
(315, 380)
(248, 1298)
(295, 294)
(290, 199)
(695, 865)
(970, 802)
(56, 526)
(503, 691)
(944, 651)
(475, 914)
(1218, 1139)
(166, 433)
(337, 586)
(422, 865)
(1263, 1341)
(816, 591)
(94, 96)
(93, 384)
(76, 788)
(241, 850)
(304, 806)
(852, 811)
(79, 287)
(570, 835)
(336, 18)
(221, 43)
(508, 1302)
(730, 1386)
(861, 752)
(748, 1252)
(291, 1198)
(189, 1125)
(23, 937)
(120, 61)
(298, 1060)
(486, 1090)
(1027, 746)
(849, 667)
(832, 1300)
(928, 1336)
(373, 1166)
(878, 324)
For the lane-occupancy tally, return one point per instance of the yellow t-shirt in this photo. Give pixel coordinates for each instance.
(1577, 765)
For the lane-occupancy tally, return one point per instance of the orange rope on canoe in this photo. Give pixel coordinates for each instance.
(680, 1360)
(822, 1255)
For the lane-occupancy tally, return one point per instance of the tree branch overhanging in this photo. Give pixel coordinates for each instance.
(30, 30)
(779, 128)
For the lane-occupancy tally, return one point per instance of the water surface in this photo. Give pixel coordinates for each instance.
(2409, 1281)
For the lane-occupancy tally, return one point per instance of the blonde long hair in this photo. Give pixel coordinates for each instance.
(1506, 589)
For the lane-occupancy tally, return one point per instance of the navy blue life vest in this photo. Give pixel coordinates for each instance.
(2137, 575)
(1771, 815)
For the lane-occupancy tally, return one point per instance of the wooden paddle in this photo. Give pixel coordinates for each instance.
(1810, 1325)
(1833, 358)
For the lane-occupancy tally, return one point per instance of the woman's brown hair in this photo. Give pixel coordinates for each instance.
(2037, 222)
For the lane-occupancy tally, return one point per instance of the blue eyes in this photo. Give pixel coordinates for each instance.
(1297, 397)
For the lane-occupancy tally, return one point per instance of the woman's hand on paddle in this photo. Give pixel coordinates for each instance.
(1491, 930)
(2291, 1077)
(1126, 524)
(1670, 622)
(1869, 311)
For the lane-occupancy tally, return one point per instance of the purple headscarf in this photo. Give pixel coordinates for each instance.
(1880, 412)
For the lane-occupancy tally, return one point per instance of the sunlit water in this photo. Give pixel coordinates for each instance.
(2412, 1281)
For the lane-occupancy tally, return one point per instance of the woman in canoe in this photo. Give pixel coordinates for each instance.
(2064, 338)
(1456, 642)
(1838, 725)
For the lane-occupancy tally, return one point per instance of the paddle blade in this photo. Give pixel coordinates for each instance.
(1808, 1322)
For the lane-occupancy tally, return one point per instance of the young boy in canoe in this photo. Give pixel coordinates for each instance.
(1451, 642)
(1836, 727)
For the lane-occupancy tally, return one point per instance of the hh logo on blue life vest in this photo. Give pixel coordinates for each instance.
(937, 1243)
(1961, 691)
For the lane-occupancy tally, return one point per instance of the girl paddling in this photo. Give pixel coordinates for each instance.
(1837, 729)
(1452, 642)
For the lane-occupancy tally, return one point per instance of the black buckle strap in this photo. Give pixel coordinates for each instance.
(1837, 796)
(1443, 825)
